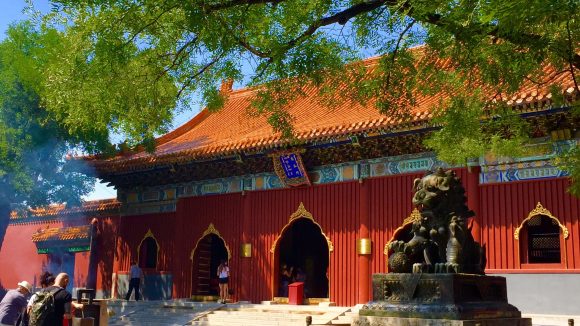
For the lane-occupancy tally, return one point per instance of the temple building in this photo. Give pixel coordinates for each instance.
(225, 186)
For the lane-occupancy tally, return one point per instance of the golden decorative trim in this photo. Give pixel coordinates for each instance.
(149, 234)
(415, 216)
(301, 212)
(540, 210)
(364, 246)
(211, 230)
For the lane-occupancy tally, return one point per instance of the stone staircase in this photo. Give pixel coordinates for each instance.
(185, 312)
(157, 313)
(348, 317)
(270, 315)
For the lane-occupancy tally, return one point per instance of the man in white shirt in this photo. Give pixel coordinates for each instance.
(135, 280)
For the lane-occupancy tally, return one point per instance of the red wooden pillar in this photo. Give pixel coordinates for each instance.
(473, 200)
(364, 260)
(181, 286)
(119, 258)
(246, 266)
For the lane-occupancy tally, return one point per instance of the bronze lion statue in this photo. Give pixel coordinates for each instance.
(442, 241)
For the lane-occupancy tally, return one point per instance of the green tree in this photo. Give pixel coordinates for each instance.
(128, 64)
(33, 145)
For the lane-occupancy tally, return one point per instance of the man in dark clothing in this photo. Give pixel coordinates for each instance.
(62, 301)
(135, 280)
(14, 303)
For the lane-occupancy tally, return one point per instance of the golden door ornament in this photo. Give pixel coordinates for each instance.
(301, 212)
(149, 234)
(540, 210)
(211, 230)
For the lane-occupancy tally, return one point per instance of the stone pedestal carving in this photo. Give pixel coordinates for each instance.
(449, 298)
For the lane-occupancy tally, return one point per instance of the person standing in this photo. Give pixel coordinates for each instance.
(285, 278)
(135, 280)
(46, 280)
(62, 302)
(223, 273)
(14, 304)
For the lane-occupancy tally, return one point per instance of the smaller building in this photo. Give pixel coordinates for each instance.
(79, 241)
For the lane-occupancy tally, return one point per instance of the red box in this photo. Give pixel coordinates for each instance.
(296, 293)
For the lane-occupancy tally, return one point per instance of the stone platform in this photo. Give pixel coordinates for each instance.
(441, 299)
(399, 321)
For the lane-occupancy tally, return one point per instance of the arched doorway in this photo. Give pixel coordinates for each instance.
(206, 257)
(148, 253)
(303, 246)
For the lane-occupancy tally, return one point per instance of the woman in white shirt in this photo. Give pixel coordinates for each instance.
(223, 273)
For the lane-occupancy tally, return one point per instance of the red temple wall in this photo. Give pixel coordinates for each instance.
(258, 217)
(107, 230)
(194, 217)
(505, 205)
(334, 207)
(18, 258)
(132, 230)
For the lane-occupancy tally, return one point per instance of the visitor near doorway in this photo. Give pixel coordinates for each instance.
(223, 273)
(135, 281)
(285, 277)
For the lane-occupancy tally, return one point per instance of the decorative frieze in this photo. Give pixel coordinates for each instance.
(536, 166)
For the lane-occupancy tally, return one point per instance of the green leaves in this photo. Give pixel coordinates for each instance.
(33, 144)
(570, 162)
(125, 66)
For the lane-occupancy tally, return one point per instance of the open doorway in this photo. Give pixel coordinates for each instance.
(62, 261)
(210, 250)
(304, 248)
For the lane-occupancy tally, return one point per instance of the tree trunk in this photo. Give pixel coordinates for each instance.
(4, 221)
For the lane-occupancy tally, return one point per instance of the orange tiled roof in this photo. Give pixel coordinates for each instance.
(88, 207)
(70, 233)
(232, 130)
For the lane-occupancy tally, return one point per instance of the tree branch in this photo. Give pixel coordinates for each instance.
(235, 3)
(142, 28)
(253, 50)
(178, 57)
(341, 17)
(191, 78)
(571, 53)
(396, 50)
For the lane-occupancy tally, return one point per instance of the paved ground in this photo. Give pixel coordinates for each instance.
(182, 312)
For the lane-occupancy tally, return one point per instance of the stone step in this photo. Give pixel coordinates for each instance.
(184, 312)
(552, 320)
(272, 315)
(248, 323)
(156, 313)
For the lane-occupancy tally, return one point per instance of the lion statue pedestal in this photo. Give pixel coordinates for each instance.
(437, 277)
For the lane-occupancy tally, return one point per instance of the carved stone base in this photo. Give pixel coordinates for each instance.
(398, 321)
(462, 297)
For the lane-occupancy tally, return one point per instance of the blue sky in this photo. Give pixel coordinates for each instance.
(12, 11)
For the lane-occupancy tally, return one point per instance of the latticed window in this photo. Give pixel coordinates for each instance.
(543, 235)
